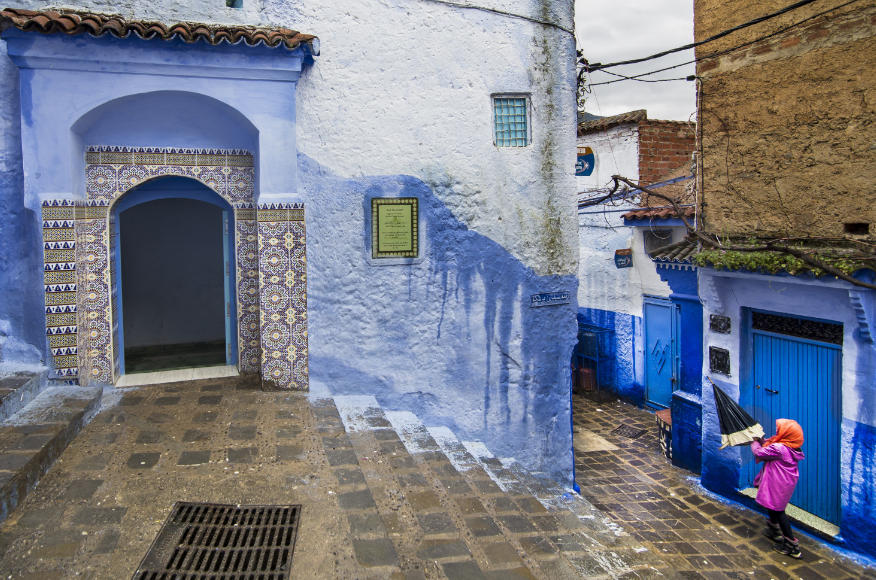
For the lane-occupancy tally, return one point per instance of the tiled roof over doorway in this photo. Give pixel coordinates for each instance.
(73, 22)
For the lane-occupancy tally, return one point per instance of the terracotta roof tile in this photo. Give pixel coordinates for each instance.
(681, 251)
(74, 22)
(606, 122)
(658, 213)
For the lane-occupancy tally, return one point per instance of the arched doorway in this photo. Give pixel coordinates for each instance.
(174, 269)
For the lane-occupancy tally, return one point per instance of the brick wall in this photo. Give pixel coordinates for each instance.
(664, 146)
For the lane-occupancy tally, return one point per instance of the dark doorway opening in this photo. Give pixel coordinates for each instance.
(174, 272)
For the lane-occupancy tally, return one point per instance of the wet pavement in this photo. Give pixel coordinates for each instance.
(382, 496)
(663, 507)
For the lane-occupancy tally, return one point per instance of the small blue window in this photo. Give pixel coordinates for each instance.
(234, 3)
(511, 121)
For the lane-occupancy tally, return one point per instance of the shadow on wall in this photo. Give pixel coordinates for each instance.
(452, 339)
(22, 317)
(625, 350)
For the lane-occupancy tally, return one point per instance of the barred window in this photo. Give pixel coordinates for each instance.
(511, 121)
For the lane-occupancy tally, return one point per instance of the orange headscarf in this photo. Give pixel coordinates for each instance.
(788, 432)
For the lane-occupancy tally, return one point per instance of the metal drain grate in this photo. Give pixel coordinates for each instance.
(201, 541)
(629, 431)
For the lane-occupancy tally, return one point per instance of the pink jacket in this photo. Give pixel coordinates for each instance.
(776, 482)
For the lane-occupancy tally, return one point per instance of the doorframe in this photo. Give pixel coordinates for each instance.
(747, 387)
(131, 199)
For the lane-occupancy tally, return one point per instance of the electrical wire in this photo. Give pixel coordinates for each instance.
(722, 34)
(721, 52)
(503, 13)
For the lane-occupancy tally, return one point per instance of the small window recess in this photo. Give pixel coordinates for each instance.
(234, 3)
(856, 229)
(511, 120)
(656, 239)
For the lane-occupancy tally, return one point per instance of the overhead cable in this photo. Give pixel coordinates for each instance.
(722, 34)
(503, 13)
(719, 53)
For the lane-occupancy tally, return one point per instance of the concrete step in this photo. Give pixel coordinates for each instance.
(17, 390)
(34, 437)
(574, 539)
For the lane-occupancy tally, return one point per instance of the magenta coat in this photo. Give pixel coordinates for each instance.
(776, 481)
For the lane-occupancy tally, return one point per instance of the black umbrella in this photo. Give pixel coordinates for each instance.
(737, 426)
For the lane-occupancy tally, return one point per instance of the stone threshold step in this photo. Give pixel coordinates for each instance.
(19, 389)
(32, 439)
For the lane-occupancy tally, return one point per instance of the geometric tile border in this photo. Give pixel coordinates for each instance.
(111, 171)
(282, 286)
(60, 283)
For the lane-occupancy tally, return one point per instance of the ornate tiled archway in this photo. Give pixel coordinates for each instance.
(79, 245)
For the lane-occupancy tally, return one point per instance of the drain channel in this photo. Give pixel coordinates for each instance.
(201, 541)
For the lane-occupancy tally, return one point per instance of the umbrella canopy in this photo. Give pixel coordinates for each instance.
(737, 426)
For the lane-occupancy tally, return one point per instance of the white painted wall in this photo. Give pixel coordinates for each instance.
(616, 151)
(405, 88)
(601, 284)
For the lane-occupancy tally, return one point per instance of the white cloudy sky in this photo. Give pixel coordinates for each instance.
(615, 30)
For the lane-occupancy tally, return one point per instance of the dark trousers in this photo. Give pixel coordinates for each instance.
(781, 520)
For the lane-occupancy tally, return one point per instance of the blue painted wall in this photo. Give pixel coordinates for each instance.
(22, 321)
(452, 338)
(807, 297)
(626, 348)
(686, 406)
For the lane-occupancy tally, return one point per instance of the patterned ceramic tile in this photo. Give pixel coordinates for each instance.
(60, 285)
(283, 294)
(110, 172)
(96, 299)
(249, 342)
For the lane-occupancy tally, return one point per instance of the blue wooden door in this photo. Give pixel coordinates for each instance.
(660, 352)
(800, 379)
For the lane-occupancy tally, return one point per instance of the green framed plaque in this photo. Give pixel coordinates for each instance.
(394, 227)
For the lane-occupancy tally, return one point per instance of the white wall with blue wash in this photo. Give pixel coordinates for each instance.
(399, 103)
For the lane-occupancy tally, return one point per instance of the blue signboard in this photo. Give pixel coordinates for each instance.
(586, 162)
(549, 299)
(623, 258)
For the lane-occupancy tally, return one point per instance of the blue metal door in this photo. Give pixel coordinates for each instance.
(660, 352)
(800, 379)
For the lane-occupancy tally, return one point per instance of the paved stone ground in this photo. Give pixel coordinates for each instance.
(382, 496)
(662, 508)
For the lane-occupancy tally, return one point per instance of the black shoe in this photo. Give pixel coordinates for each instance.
(773, 532)
(789, 547)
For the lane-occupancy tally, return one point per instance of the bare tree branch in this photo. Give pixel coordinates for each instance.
(714, 243)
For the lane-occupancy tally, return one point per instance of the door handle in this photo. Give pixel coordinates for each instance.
(771, 391)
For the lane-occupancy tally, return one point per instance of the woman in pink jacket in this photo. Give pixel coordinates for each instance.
(776, 482)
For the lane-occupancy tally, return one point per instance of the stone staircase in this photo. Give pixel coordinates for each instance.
(452, 509)
(37, 423)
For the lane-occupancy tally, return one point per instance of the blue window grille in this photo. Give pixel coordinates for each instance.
(511, 121)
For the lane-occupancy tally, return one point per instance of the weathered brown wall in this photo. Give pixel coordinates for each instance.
(788, 123)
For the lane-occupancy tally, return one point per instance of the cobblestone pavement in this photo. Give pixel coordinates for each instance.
(662, 508)
(382, 496)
